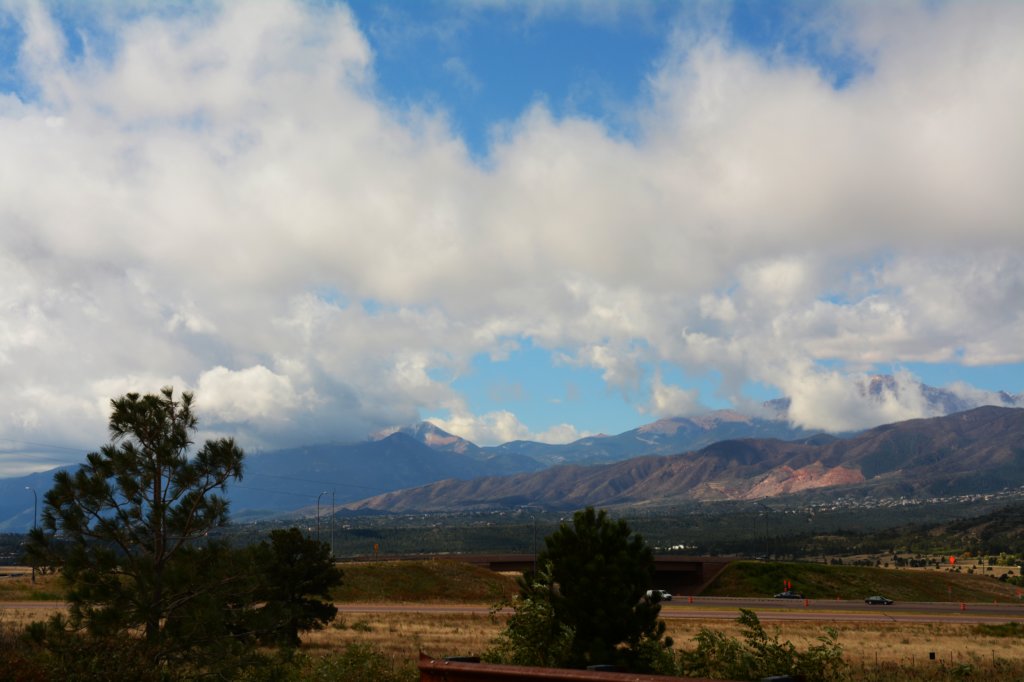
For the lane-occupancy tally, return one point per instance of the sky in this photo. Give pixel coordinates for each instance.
(520, 220)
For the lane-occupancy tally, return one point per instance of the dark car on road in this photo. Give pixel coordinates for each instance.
(789, 594)
(878, 600)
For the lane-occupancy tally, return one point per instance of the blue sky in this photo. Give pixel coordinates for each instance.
(517, 219)
(489, 65)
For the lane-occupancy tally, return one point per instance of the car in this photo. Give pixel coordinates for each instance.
(878, 600)
(789, 594)
(659, 595)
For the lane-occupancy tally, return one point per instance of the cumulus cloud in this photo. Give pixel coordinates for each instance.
(672, 401)
(501, 426)
(246, 395)
(832, 398)
(217, 199)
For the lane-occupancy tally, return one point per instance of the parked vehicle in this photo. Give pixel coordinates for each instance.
(878, 600)
(659, 595)
(789, 594)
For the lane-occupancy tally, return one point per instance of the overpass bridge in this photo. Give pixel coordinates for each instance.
(680, 575)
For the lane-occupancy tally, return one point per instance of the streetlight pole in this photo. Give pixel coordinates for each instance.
(35, 507)
(534, 544)
(533, 517)
(318, 514)
(332, 524)
(767, 510)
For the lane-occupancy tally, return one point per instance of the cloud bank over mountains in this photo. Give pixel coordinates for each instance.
(222, 200)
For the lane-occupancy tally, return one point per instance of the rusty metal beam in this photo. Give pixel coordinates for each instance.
(441, 670)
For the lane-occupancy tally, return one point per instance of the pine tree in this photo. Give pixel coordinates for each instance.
(131, 520)
(601, 571)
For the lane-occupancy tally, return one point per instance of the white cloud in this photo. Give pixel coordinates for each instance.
(976, 396)
(501, 426)
(225, 191)
(254, 393)
(672, 401)
(843, 402)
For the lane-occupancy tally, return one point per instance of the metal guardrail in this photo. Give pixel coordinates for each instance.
(460, 670)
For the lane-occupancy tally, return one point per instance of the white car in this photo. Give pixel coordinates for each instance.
(659, 595)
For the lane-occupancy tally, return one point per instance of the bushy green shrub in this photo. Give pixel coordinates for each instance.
(758, 655)
(357, 663)
(53, 650)
(533, 635)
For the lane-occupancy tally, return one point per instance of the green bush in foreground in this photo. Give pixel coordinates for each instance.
(758, 655)
(533, 635)
(48, 651)
(358, 663)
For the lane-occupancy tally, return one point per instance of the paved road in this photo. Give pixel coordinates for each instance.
(844, 610)
(846, 605)
(824, 610)
(726, 608)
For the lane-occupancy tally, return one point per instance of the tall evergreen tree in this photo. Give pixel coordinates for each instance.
(297, 574)
(601, 572)
(131, 519)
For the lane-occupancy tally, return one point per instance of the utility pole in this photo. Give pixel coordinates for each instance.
(35, 507)
(318, 514)
(532, 509)
(535, 544)
(332, 525)
(768, 510)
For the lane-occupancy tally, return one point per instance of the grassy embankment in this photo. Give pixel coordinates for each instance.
(450, 581)
(16, 585)
(431, 581)
(422, 582)
(456, 582)
(819, 581)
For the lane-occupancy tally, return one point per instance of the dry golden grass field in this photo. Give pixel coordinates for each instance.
(874, 651)
(865, 645)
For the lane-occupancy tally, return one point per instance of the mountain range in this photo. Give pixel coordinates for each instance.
(978, 451)
(664, 436)
(359, 475)
(292, 480)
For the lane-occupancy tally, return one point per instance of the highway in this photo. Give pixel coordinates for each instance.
(721, 608)
(843, 610)
(775, 610)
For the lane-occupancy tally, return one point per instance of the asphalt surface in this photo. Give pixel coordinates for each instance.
(727, 608)
(775, 610)
(844, 610)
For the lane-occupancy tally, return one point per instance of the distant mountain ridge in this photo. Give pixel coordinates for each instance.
(292, 479)
(664, 436)
(673, 435)
(278, 481)
(415, 455)
(981, 450)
